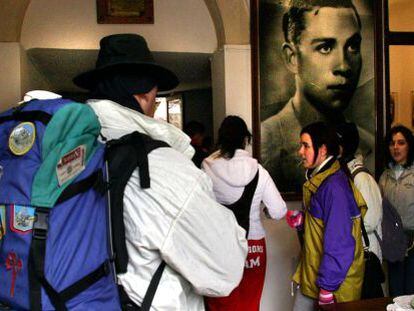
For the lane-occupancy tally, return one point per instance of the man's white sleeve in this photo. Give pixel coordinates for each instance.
(205, 244)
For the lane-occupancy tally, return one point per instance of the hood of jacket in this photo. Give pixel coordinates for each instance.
(356, 163)
(235, 172)
(117, 120)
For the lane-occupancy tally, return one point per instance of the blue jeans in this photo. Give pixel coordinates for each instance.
(401, 276)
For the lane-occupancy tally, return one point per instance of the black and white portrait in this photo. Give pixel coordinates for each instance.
(316, 62)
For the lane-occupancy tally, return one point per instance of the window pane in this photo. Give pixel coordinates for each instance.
(161, 108)
(401, 15)
(175, 112)
(402, 84)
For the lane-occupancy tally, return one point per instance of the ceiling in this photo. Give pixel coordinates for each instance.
(59, 66)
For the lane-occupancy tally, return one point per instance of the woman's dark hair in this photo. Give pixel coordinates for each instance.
(322, 134)
(408, 135)
(232, 135)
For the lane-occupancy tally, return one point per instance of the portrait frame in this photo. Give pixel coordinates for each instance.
(412, 108)
(394, 103)
(376, 115)
(125, 12)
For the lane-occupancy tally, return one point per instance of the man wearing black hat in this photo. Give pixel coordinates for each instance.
(177, 219)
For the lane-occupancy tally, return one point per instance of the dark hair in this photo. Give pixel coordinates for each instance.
(121, 87)
(231, 136)
(348, 139)
(408, 135)
(293, 22)
(194, 127)
(322, 134)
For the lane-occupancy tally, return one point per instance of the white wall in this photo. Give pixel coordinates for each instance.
(238, 82)
(282, 256)
(180, 26)
(231, 83)
(9, 74)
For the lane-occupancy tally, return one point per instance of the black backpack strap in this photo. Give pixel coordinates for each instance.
(85, 282)
(95, 180)
(364, 235)
(241, 208)
(37, 256)
(359, 170)
(35, 115)
(152, 288)
(123, 156)
(128, 305)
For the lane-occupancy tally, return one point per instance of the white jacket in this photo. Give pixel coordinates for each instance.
(230, 176)
(371, 193)
(177, 220)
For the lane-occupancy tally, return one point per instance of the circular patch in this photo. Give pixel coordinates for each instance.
(22, 138)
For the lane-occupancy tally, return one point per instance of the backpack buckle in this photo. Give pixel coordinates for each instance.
(41, 224)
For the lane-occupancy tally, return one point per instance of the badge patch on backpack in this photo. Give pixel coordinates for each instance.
(71, 164)
(22, 137)
(22, 218)
(2, 221)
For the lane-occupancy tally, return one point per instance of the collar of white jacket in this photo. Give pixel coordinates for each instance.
(115, 116)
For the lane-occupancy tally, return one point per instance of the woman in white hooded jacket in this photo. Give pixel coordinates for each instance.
(241, 184)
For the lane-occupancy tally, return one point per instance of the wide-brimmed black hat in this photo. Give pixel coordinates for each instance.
(126, 52)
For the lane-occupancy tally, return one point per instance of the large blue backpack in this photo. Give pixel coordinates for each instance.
(54, 251)
(61, 241)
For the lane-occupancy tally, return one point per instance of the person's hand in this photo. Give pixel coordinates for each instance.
(294, 219)
(326, 300)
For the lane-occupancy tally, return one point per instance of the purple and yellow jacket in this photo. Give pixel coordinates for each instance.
(332, 256)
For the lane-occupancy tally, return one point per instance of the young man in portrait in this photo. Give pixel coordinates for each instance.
(322, 48)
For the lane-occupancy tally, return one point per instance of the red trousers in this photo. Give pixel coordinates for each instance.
(245, 297)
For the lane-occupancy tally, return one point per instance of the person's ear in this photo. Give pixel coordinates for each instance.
(146, 102)
(290, 56)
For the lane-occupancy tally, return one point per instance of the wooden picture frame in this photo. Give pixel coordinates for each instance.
(274, 87)
(125, 11)
(394, 103)
(412, 109)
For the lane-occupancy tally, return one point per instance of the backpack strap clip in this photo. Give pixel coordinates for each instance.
(40, 225)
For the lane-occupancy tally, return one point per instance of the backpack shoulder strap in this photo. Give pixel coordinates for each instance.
(241, 208)
(359, 170)
(123, 155)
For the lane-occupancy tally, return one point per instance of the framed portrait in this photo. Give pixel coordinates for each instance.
(312, 63)
(125, 11)
(412, 109)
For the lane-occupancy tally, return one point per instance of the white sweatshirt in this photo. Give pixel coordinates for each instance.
(230, 176)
